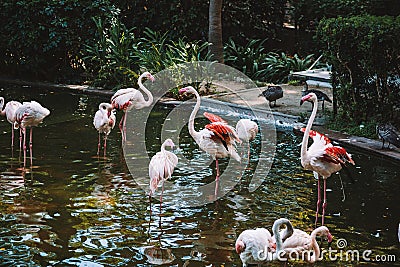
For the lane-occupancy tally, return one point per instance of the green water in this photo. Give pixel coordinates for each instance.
(74, 209)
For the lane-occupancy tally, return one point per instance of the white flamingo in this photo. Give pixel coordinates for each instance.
(247, 131)
(131, 98)
(29, 115)
(322, 157)
(251, 245)
(9, 111)
(298, 243)
(161, 167)
(104, 122)
(217, 138)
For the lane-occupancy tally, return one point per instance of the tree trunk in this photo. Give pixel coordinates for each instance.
(216, 48)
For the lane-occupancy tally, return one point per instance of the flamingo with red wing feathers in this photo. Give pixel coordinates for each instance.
(217, 138)
(321, 157)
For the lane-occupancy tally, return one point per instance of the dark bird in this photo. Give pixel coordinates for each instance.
(272, 93)
(388, 133)
(321, 96)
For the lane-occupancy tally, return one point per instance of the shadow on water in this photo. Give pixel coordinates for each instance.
(74, 209)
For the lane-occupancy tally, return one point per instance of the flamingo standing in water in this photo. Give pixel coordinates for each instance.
(295, 242)
(9, 111)
(29, 115)
(252, 246)
(129, 98)
(104, 122)
(161, 167)
(247, 131)
(322, 157)
(217, 138)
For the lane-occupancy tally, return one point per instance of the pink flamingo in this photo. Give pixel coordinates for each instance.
(9, 111)
(297, 242)
(322, 157)
(247, 131)
(104, 122)
(29, 115)
(129, 98)
(217, 138)
(252, 246)
(161, 167)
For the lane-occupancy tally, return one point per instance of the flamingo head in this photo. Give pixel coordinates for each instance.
(106, 107)
(311, 97)
(169, 143)
(188, 89)
(149, 76)
(324, 231)
(240, 246)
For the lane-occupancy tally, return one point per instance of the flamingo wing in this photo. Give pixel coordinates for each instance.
(213, 117)
(338, 155)
(224, 132)
(161, 167)
(318, 137)
(299, 241)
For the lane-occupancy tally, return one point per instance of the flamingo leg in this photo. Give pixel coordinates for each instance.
(98, 146)
(161, 197)
(318, 200)
(324, 204)
(30, 145)
(105, 145)
(121, 126)
(216, 178)
(124, 125)
(248, 151)
(12, 136)
(24, 146)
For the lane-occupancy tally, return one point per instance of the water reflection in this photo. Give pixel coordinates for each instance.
(74, 209)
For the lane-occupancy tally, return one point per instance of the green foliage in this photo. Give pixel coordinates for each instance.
(111, 60)
(277, 67)
(364, 52)
(246, 58)
(42, 39)
(253, 60)
(366, 129)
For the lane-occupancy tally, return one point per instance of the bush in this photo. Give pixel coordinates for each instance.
(253, 60)
(364, 53)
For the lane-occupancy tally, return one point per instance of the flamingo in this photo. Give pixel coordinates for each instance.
(104, 122)
(247, 131)
(322, 157)
(9, 111)
(251, 245)
(217, 138)
(129, 98)
(29, 115)
(161, 167)
(297, 242)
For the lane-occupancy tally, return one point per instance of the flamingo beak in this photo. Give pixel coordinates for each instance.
(330, 239)
(151, 78)
(183, 90)
(301, 102)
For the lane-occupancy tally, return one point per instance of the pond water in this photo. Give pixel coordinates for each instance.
(75, 209)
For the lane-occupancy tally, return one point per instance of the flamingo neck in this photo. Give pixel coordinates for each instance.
(147, 92)
(196, 108)
(277, 234)
(306, 135)
(2, 111)
(315, 247)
